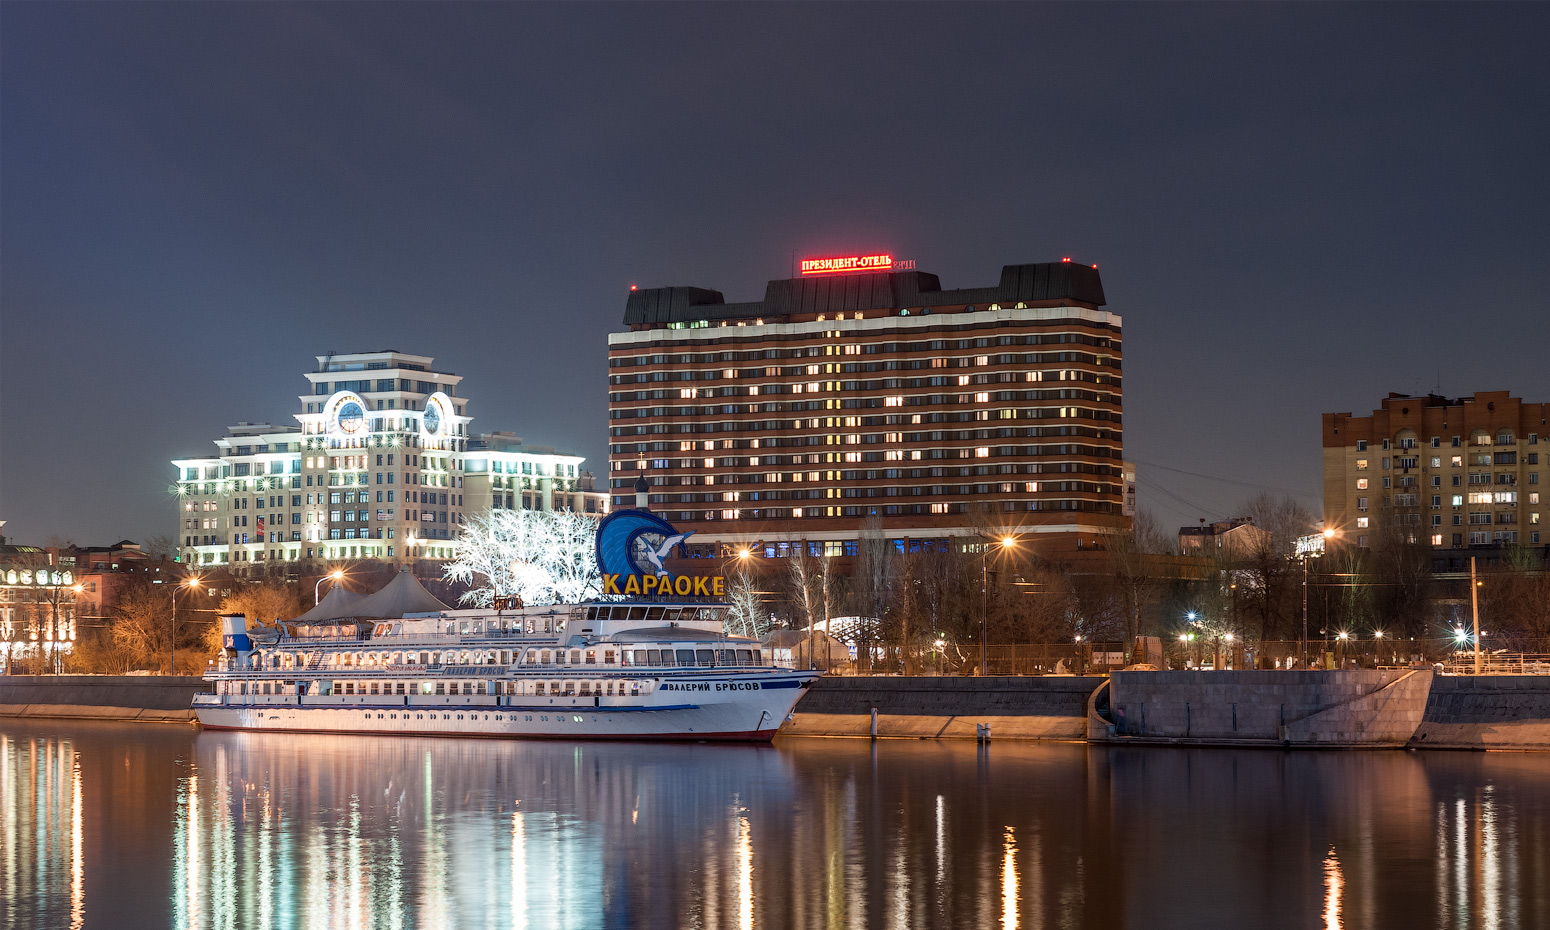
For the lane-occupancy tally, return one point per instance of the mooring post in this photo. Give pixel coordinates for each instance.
(874, 723)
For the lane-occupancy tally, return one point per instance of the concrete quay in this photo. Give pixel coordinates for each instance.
(147, 698)
(1367, 709)
(1486, 712)
(920, 707)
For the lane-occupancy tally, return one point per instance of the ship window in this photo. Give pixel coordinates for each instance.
(758, 657)
(640, 657)
(669, 615)
(637, 614)
(706, 656)
(468, 687)
(610, 689)
(375, 687)
(608, 657)
(400, 688)
(441, 687)
(685, 656)
(544, 657)
(591, 656)
(538, 688)
(575, 657)
(634, 689)
(744, 657)
(726, 657)
(586, 689)
(570, 688)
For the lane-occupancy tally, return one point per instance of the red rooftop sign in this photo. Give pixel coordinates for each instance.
(847, 263)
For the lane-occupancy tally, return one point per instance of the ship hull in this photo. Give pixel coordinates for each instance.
(731, 708)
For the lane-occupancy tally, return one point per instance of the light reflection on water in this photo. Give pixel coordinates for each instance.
(128, 826)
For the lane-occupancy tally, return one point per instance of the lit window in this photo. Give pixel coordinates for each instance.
(1361, 464)
(939, 508)
(893, 401)
(1361, 484)
(982, 452)
(982, 397)
(1361, 523)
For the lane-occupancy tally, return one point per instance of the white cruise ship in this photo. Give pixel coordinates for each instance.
(400, 661)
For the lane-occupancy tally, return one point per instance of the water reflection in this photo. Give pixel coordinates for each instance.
(115, 826)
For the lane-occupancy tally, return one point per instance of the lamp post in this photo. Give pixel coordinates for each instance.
(190, 584)
(1308, 551)
(336, 574)
(1006, 542)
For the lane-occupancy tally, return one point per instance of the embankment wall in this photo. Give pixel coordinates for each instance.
(919, 707)
(1353, 709)
(116, 697)
(1486, 712)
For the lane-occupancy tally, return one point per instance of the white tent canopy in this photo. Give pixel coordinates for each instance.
(403, 595)
(337, 603)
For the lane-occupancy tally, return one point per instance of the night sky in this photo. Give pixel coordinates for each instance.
(1296, 209)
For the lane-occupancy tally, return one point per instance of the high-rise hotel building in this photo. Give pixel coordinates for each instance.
(1448, 473)
(850, 392)
(381, 465)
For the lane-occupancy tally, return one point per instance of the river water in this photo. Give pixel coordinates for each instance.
(125, 826)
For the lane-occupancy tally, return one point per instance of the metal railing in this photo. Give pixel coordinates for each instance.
(1499, 663)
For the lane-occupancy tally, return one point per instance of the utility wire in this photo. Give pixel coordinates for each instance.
(1246, 484)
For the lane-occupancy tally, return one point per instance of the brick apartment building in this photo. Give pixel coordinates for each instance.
(1455, 474)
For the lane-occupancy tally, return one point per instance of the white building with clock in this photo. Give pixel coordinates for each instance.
(378, 466)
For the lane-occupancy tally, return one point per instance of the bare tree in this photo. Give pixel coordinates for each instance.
(873, 584)
(746, 615)
(1515, 600)
(1132, 557)
(1266, 568)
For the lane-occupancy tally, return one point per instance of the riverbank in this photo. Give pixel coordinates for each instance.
(1359, 709)
(145, 698)
(1367, 709)
(919, 707)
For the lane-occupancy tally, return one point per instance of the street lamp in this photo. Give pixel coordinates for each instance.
(336, 574)
(1006, 542)
(190, 584)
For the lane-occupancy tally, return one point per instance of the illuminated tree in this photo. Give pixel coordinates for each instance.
(543, 557)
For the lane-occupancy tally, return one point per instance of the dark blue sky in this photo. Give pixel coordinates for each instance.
(1295, 208)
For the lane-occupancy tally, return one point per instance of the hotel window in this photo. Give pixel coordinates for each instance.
(1361, 484)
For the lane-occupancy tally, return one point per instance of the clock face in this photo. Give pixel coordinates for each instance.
(432, 418)
(351, 417)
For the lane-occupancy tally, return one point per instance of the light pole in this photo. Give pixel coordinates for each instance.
(1309, 551)
(1006, 542)
(336, 574)
(192, 583)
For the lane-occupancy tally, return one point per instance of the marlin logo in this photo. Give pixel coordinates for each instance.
(655, 556)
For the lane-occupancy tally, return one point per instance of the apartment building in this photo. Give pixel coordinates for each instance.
(851, 392)
(1453, 473)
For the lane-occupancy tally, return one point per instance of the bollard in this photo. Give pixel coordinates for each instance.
(982, 732)
(874, 723)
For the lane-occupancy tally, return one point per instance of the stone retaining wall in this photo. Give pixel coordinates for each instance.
(1486, 712)
(117, 697)
(1356, 709)
(920, 707)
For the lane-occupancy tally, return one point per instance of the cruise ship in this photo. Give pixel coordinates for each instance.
(400, 662)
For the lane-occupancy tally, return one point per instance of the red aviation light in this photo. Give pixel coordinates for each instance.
(1066, 259)
(847, 263)
(632, 287)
